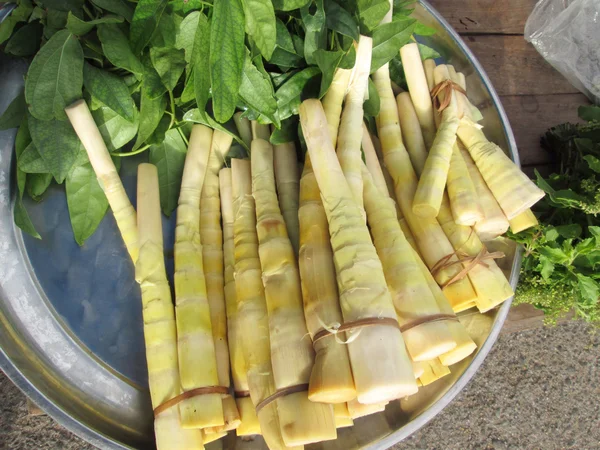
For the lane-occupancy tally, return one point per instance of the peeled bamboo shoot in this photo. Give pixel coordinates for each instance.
(288, 186)
(381, 367)
(523, 221)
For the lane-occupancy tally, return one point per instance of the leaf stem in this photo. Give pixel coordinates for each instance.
(172, 100)
(182, 134)
(133, 153)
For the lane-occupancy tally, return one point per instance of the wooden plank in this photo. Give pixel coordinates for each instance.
(516, 68)
(532, 115)
(486, 16)
(527, 317)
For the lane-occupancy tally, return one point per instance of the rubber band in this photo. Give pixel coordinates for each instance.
(189, 394)
(281, 393)
(446, 86)
(427, 319)
(242, 394)
(355, 325)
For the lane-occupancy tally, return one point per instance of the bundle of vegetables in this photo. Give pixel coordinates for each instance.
(562, 253)
(329, 293)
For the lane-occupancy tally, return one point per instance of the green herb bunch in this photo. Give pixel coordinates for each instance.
(148, 69)
(561, 268)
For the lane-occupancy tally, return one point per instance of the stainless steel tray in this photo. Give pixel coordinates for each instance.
(70, 317)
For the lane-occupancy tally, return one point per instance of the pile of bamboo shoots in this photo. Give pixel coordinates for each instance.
(305, 301)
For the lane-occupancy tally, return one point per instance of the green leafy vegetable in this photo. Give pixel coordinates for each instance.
(57, 144)
(115, 130)
(121, 7)
(561, 269)
(169, 64)
(227, 35)
(19, 14)
(37, 184)
(23, 221)
(388, 38)
(200, 69)
(151, 111)
(315, 31)
(117, 49)
(15, 113)
(340, 20)
(260, 23)
(26, 41)
(86, 201)
(186, 34)
(169, 157)
(371, 12)
(110, 89)
(145, 20)
(328, 62)
(80, 27)
(256, 91)
(55, 77)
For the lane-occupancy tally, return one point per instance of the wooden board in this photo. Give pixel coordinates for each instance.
(485, 16)
(516, 68)
(531, 115)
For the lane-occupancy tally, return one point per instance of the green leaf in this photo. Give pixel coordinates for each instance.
(387, 39)
(227, 35)
(256, 91)
(30, 161)
(165, 34)
(55, 77)
(397, 72)
(152, 85)
(260, 24)
(328, 62)
(23, 221)
(145, 20)
(57, 144)
(188, 6)
(26, 41)
(15, 113)
(371, 12)
(200, 68)
(80, 27)
(285, 54)
(555, 255)
(169, 158)
(547, 267)
(63, 5)
(158, 136)
(289, 5)
(110, 89)
(563, 198)
(287, 132)
(117, 50)
(424, 30)
(427, 52)
(588, 288)
(86, 201)
(169, 64)
(120, 7)
(593, 162)
(372, 105)
(151, 111)
(196, 115)
(589, 113)
(595, 231)
(551, 234)
(340, 20)
(115, 130)
(186, 34)
(22, 140)
(55, 22)
(571, 231)
(316, 32)
(37, 184)
(19, 14)
(289, 95)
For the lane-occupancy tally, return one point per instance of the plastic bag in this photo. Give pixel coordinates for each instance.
(567, 35)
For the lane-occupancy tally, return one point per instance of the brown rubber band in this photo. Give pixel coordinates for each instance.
(427, 319)
(463, 258)
(446, 86)
(357, 324)
(189, 394)
(242, 394)
(281, 393)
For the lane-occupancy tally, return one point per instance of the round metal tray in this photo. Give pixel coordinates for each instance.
(70, 317)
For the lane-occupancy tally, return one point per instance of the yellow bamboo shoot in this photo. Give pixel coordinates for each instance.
(292, 354)
(432, 181)
(513, 190)
(160, 333)
(523, 221)
(381, 367)
(433, 371)
(342, 415)
(464, 201)
(252, 307)
(287, 177)
(333, 99)
(431, 240)
(83, 123)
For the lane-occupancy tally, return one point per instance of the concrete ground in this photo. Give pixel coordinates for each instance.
(538, 389)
